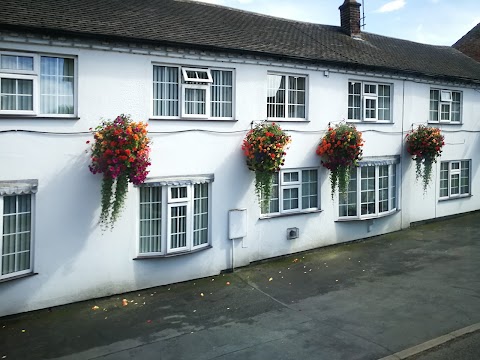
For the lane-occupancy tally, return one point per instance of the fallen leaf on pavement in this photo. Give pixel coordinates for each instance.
(270, 279)
(201, 294)
(228, 282)
(124, 302)
(95, 307)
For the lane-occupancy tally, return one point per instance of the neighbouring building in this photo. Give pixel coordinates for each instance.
(469, 44)
(199, 74)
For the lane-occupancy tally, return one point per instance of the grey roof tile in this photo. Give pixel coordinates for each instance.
(193, 24)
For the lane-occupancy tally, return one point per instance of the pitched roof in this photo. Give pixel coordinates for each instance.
(192, 24)
(469, 44)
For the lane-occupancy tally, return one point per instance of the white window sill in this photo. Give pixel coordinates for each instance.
(16, 277)
(455, 197)
(191, 119)
(444, 123)
(178, 253)
(39, 117)
(277, 215)
(348, 219)
(296, 120)
(383, 122)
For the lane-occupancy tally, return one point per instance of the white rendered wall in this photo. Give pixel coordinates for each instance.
(74, 260)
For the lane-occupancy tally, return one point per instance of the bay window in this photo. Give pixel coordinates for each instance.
(20, 94)
(174, 216)
(371, 191)
(201, 93)
(16, 222)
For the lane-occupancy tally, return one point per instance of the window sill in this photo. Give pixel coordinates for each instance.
(147, 257)
(192, 119)
(272, 216)
(18, 277)
(444, 123)
(380, 122)
(455, 198)
(283, 120)
(33, 117)
(368, 218)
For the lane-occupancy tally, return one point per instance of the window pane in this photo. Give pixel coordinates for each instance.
(309, 189)
(383, 102)
(276, 96)
(17, 94)
(296, 97)
(200, 214)
(383, 188)
(195, 101)
(456, 106)
(16, 234)
(348, 201)
(444, 179)
(57, 85)
(178, 226)
(354, 100)
(221, 93)
(465, 177)
(273, 206)
(165, 91)
(434, 104)
(367, 190)
(150, 219)
(290, 199)
(454, 184)
(15, 62)
(445, 112)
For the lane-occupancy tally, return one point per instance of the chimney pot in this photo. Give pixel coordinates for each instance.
(350, 17)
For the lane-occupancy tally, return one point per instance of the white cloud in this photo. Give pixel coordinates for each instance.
(392, 6)
(245, 1)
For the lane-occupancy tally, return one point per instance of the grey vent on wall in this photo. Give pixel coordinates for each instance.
(292, 233)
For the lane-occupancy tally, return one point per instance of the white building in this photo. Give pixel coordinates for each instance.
(61, 74)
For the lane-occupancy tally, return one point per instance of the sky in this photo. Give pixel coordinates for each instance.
(437, 22)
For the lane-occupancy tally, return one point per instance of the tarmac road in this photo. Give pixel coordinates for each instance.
(363, 300)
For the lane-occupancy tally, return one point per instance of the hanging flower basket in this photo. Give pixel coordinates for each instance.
(340, 150)
(120, 152)
(425, 145)
(264, 147)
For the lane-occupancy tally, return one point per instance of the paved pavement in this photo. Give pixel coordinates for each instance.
(466, 347)
(363, 300)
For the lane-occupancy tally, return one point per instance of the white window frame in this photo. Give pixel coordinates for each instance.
(193, 84)
(36, 77)
(16, 274)
(284, 185)
(167, 203)
(370, 96)
(392, 194)
(205, 88)
(187, 78)
(452, 171)
(35, 99)
(445, 98)
(286, 103)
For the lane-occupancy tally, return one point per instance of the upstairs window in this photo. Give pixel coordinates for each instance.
(36, 85)
(292, 191)
(369, 101)
(286, 96)
(445, 106)
(192, 93)
(455, 179)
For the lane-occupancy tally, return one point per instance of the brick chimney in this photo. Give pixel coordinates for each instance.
(350, 17)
